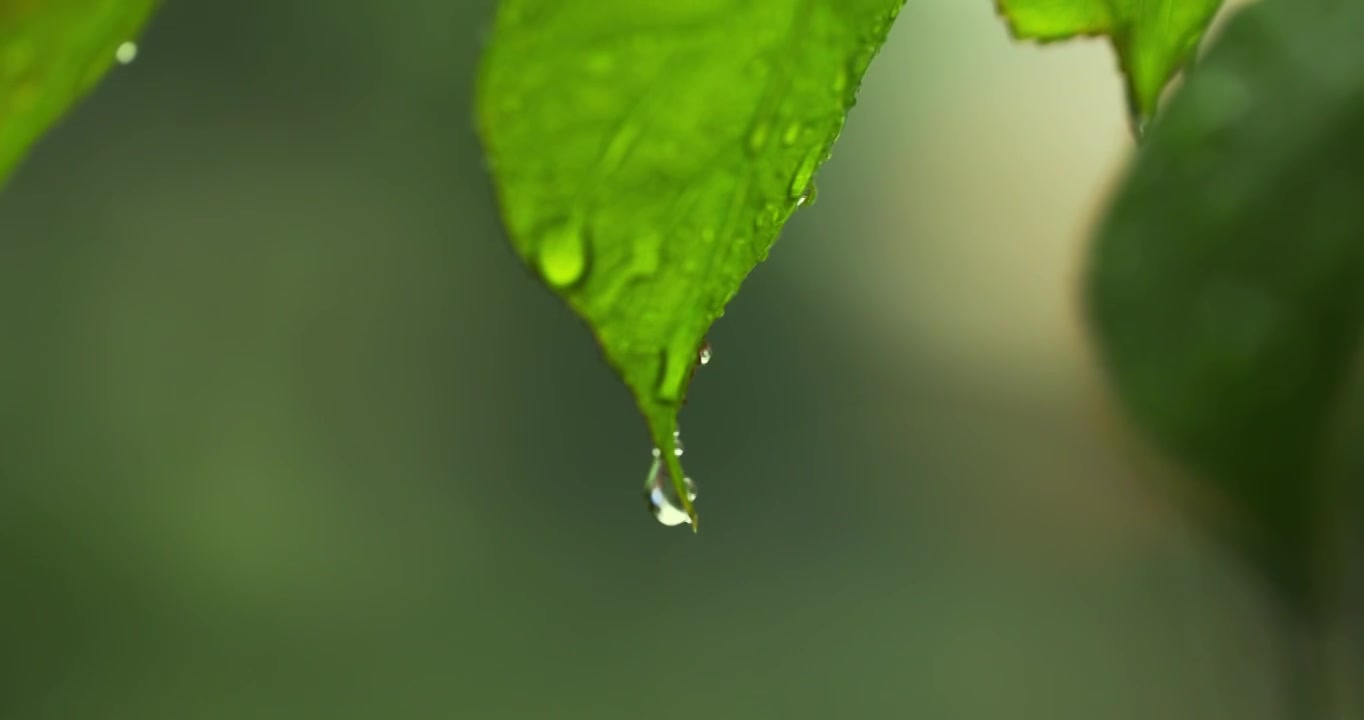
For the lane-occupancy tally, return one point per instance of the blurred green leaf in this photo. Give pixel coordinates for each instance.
(51, 53)
(1153, 38)
(647, 154)
(1227, 284)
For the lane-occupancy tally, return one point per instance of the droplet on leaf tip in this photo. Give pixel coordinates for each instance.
(660, 495)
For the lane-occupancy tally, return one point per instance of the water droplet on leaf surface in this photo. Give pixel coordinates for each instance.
(704, 354)
(661, 495)
(677, 446)
(126, 53)
(810, 195)
(563, 255)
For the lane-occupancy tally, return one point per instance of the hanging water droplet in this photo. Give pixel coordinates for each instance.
(126, 53)
(704, 354)
(661, 495)
(677, 445)
(810, 195)
(563, 255)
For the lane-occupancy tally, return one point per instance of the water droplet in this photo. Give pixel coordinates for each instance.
(767, 217)
(677, 445)
(563, 255)
(792, 134)
(126, 53)
(704, 355)
(800, 182)
(810, 195)
(661, 495)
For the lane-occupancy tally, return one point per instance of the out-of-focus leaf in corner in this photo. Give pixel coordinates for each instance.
(1226, 288)
(1154, 39)
(51, 53)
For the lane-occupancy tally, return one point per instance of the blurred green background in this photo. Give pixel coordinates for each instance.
(287, 430)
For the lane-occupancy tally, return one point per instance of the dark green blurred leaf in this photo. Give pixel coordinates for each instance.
(51, 53)
(647, 154)
(1154, 38)
(1227, 284)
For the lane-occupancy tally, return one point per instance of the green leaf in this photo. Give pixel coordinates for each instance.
(1154, 38)
(51, 53)
(1227, 286)
(646, 155)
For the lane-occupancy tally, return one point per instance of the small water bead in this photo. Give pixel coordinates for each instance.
(677, 446)
(767, 217)
(704, 354)
(808, 197)
(126, 53)
(661, 496)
